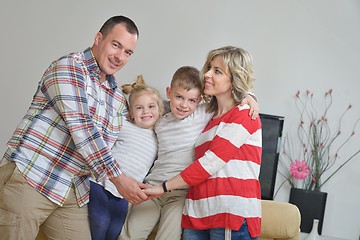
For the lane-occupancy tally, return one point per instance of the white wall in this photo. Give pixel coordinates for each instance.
(296, 45)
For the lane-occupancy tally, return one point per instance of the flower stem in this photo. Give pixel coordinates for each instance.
(356, 153)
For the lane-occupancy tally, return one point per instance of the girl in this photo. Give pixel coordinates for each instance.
(135, 150)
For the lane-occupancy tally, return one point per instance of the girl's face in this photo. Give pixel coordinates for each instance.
(217, 80)
(144, 110)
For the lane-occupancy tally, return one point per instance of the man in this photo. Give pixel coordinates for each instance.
(65, 137)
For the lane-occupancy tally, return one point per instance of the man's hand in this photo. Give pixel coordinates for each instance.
(129, 188)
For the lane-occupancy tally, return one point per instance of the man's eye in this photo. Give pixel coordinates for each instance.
(128, 53)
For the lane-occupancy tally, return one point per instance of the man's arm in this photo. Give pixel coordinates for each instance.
(68, 94)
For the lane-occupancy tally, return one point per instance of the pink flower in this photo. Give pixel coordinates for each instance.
(299, 170)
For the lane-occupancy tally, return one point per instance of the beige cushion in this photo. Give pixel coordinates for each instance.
(280, 221)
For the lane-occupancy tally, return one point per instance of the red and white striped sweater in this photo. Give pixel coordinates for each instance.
(224, 179)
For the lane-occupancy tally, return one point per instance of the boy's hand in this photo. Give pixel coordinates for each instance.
(254, 106)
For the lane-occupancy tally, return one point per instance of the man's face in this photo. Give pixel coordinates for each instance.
(113, 51)
(183, 102)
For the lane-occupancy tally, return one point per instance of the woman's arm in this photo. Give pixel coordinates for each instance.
(176, 182)
(224, 144)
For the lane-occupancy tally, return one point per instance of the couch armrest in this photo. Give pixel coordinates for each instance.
(280, 220)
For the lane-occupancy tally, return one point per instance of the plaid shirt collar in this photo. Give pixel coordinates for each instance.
(94, 69)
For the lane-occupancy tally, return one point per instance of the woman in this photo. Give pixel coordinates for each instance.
(224, 195)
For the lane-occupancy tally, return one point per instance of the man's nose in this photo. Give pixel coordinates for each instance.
(119, 56)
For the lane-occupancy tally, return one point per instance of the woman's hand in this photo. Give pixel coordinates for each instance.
(154, 191)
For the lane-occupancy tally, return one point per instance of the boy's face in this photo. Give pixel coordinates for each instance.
(183, 102)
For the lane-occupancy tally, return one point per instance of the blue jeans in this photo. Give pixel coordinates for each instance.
(217, 234)
(107, 213)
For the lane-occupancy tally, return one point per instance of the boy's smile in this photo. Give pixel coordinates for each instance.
(183, 102)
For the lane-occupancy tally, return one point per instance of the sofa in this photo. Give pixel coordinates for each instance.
(280, 221)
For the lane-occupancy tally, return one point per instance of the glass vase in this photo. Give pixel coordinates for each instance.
(314, 234)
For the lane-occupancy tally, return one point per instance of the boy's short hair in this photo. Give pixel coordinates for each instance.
(187, 77)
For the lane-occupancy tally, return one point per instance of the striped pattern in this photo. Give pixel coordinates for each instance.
(135, 150)
(69, 128)
(176, 139)
(224, 184)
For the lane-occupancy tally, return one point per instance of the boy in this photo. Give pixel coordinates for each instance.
(177, 132)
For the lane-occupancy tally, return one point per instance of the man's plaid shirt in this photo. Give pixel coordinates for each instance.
(69, 129)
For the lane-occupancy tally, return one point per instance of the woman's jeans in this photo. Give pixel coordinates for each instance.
(107, 213)
(217, 234)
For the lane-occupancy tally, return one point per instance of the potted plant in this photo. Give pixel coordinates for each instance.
(314, 150)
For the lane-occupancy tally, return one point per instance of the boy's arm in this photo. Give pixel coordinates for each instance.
(251, 100)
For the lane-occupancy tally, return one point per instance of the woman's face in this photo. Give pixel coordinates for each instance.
(217, 80)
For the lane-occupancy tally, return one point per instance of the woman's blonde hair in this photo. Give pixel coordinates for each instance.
(239, 64)
(139, 88)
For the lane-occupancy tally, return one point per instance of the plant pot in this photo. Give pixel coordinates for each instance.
(311, 205)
